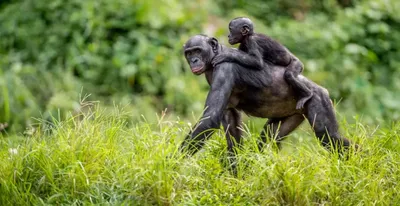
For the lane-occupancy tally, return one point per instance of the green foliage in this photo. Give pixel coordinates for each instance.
(24, 89)
(96, 159)
(106, 47)
(270, 11)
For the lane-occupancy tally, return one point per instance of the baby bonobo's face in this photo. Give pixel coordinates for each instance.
(239, 29)
(235, 35)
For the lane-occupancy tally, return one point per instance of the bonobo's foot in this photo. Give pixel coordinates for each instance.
(302, 101)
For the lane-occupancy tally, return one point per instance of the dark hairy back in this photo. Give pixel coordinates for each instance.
(271, 50)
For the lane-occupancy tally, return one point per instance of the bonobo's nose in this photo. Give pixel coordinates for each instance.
(195, 60)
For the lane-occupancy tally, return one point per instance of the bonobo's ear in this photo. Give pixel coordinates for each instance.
(245, 30)
(214, 44)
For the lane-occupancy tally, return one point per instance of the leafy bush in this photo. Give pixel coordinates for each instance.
(270, 11)
(24, 90)
(108, 47)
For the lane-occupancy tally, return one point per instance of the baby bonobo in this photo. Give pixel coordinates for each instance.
(262, 48)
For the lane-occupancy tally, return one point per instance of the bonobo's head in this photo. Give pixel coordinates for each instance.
(199, 51)
(240, 28)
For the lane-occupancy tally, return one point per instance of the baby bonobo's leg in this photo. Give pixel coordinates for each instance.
(292, 71)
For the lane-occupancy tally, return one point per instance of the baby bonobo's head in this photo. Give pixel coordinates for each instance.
(239, 29)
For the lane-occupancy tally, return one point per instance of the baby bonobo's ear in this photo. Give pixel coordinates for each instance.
(245, 30)
(214, 44)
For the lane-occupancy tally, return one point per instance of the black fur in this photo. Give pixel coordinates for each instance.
(261, 93)
(261, 48)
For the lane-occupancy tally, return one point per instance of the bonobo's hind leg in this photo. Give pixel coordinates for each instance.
(231, 122)
(281, 125)
(321, 116)
(291, 77)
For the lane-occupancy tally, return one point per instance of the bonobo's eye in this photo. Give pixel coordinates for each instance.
(193, 51)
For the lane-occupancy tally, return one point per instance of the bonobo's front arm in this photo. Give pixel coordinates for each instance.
(217, 100)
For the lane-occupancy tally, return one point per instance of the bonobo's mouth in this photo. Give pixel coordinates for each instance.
(197, 70)
(232, 41)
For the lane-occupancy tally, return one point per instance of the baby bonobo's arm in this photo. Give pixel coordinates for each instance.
(253, 59)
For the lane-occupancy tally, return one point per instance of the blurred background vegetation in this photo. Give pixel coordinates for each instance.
(129, 52)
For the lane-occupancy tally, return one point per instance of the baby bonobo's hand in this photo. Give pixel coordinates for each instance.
(218, 59)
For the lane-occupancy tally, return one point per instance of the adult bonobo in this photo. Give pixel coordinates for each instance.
(260, 93)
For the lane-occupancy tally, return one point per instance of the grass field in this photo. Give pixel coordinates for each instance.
(101, 158)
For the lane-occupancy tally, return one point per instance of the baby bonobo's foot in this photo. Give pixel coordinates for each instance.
(302, 101)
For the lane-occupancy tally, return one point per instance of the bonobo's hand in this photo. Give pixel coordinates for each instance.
(219, 58)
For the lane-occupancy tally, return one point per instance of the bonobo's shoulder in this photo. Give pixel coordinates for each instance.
(224, 73)
(225, 49)
(264, 39)
(230, 50)
(226, 69)
(258, 36)
(225, 66)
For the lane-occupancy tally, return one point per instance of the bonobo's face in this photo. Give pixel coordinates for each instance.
(235, 35)
(199, 51)
(239, 29)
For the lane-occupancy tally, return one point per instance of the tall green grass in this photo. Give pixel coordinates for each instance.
(100, 158)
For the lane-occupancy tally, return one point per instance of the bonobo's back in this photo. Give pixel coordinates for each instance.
(272, 50)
